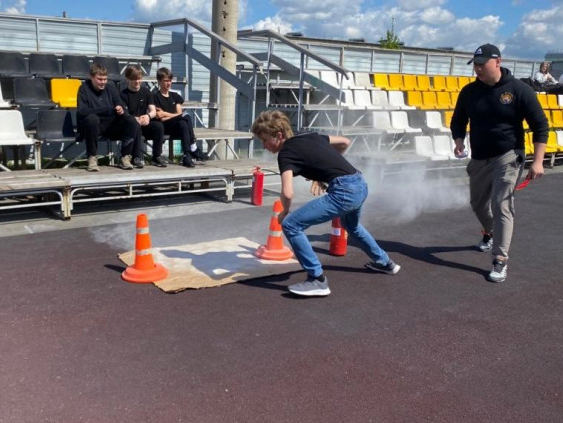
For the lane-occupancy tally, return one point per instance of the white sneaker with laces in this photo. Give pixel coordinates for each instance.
(499, 272)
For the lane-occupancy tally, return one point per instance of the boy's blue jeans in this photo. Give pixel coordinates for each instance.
(344, 198)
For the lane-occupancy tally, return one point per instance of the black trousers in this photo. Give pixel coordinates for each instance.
(123, 127)
(181, 128)
(153, 131)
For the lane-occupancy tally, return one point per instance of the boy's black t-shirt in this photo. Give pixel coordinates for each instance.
(168, 104)
(310, 155)
(137, 101)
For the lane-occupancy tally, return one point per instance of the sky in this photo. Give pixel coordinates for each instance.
(522, 29)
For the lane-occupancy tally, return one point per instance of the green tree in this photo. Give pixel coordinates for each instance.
(391, 40)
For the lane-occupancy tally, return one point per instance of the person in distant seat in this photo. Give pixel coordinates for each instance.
(169, 112)
(102, 112)
(543, 76)
(140, 103)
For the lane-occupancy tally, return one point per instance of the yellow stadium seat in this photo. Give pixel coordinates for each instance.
(462, 81)
(423, 82)
(552, 146)
(429, 100)
(548, 116)
(557, 118)
(409, 83)
(396, 82)
(64, 92)
(414, 98)
(451, 83)
(444, 100)
(542, 98)
(552, 101)
(381, 80)
(454, 97)
(439, 83)
(528, 145)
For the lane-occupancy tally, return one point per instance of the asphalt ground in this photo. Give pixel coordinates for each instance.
(435, 343)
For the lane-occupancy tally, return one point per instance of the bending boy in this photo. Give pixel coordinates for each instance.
(318, 158)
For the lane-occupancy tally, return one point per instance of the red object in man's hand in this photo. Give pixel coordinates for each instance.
(523, 184)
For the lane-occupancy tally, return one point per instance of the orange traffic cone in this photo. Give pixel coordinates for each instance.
(145, 270)
(338, 238)
(274, 248)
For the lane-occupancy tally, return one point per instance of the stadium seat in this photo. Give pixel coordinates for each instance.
(113, 67)
(443, 100)
(55, 126)
(362, 98)
(434, 122)
(12, 134)
(76, 66)
(557, 119)
(31, 92)
(64, 92)
(528, 145)
(363, 81)
(429, 100)
(329, 77)
(382, 122)
(462, 81)
(559, 140)
(448, 117)
(552, 147)
(423, 147)
(454, 95)
(13, 65)
(409, 83)
(381, 80)
(3, 103)
(542, 98)
(552, 101)
(439, 83)
(423, 83)
(379, 100)
(349, 83)
(397, 100)
(414, 98)
(44, 65)
(443, 146)
(399, 120)
(396, 82)
(452, 83)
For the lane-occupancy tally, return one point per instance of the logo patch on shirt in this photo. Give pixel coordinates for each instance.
(506, 98)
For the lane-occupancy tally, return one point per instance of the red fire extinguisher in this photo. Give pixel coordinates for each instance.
(257, 191)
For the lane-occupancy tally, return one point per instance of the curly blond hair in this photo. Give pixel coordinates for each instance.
(270, 123)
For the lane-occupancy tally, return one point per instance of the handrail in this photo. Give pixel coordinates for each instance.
(212, 35)
(271, 34)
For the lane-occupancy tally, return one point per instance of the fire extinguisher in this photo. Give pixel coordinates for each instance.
(257, 191)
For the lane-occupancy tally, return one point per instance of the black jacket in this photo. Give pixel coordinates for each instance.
(101, 103)
(495, 115)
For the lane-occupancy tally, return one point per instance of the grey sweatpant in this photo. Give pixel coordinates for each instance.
(491, 188)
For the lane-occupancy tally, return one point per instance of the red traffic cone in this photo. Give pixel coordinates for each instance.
(338, 238)
(145, 270)
(274, 248)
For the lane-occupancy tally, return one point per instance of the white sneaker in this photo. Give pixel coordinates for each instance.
(486, 243)
(499, 272)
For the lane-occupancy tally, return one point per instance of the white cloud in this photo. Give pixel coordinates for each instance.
(410, 5)
(16, 7)
(275, 24)
(197, 10)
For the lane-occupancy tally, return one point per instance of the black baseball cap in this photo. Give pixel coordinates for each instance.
(484, 53)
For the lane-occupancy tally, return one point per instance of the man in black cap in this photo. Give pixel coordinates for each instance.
(495, 105)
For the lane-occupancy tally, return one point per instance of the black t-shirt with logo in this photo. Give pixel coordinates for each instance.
(168, 104)
(310, 155)
(137, 101)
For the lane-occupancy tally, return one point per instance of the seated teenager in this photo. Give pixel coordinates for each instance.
(140, 103)
(102, 112)
(169, 112)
